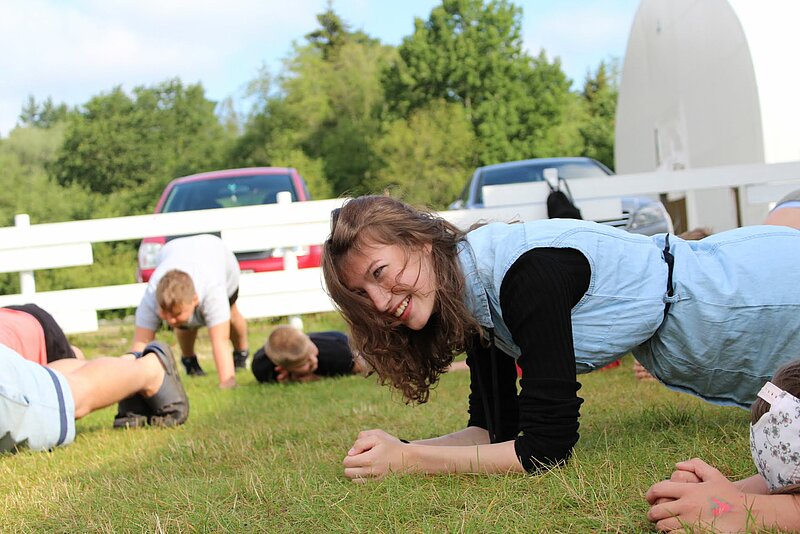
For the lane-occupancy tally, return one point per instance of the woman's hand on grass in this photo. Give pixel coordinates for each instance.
(374, 454)
(697, 496)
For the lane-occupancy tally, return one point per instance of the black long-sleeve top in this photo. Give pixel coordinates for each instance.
(536, 298)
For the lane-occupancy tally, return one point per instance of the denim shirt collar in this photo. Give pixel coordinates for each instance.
(476, 299)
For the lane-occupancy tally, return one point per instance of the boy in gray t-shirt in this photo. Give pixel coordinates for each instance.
(196, 283)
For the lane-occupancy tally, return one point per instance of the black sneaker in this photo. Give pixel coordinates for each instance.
(170, 405)
(192, 366)
(240, 359)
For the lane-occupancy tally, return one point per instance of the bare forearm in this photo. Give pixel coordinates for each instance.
(141, 337)
(472, 435)
(775, 511)
(754, 484)
(219, 335)
(491, 458)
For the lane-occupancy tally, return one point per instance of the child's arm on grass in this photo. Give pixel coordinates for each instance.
(685, 472)
(754, 484)
(376, 454)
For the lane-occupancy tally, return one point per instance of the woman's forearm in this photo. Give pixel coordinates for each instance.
(485, 458)
(472, 435)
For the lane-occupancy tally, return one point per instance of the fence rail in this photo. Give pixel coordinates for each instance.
(25, 249)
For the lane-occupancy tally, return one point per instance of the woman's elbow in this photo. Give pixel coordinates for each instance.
(537, 461)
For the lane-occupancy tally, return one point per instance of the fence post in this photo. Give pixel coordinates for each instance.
(290, 257)
(27, 283)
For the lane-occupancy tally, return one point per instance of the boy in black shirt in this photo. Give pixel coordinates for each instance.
(289, 355)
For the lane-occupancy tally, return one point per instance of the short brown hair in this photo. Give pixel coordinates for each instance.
(286, 346)
(174, 289)
(788, 379)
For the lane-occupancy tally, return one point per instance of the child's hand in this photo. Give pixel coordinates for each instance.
(374, 454)
(713, 502)
(685, 471)
(281, 374)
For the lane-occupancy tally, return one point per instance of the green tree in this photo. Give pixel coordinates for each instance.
(334, 33)
(24, 183)
(470, 53)
(600, 92)
(428, 158)
(42, 114)
(26, 188)
(327, 106)
(133, 145)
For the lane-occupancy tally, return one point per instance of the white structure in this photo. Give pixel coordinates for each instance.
(708, 83)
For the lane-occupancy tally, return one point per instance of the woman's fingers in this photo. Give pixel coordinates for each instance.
(364, 442)
(359, 474)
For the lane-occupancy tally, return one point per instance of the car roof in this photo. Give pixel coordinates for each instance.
(228, 173)
(538, 161)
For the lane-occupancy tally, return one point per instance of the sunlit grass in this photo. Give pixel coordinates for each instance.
(268, 458)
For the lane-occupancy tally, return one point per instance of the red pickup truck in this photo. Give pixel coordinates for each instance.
(227, 189)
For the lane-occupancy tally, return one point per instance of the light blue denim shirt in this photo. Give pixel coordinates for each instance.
(734, 316)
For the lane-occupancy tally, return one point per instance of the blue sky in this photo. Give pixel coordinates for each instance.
(71, 50)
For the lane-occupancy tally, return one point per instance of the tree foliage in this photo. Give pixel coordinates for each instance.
(327, 107)
(42, 114)
(351, 114)
(434, 146)
(600, 92)
(137, 143)
(470, 53)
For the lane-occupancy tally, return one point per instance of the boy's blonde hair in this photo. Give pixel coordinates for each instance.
(175, 289)
(287, 346)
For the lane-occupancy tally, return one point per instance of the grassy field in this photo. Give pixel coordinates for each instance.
(268, 458)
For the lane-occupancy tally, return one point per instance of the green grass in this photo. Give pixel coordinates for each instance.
(268, 458)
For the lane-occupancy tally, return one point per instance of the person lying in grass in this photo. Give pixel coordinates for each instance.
(560, 297)
(289, 355)
(34, 334)
(699, 497)
(39, 404)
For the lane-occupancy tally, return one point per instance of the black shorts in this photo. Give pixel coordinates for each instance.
(55, 341)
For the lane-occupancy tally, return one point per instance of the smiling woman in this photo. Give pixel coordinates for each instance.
(556, 296)
(398, 284)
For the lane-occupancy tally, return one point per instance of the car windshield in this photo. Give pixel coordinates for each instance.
(533, 172)
(228, 192)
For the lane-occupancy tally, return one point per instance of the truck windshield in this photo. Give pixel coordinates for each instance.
(533, 172)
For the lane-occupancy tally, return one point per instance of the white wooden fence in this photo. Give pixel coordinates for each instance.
(25, 249)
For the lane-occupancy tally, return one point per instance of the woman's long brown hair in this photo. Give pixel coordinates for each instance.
(410, 360)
